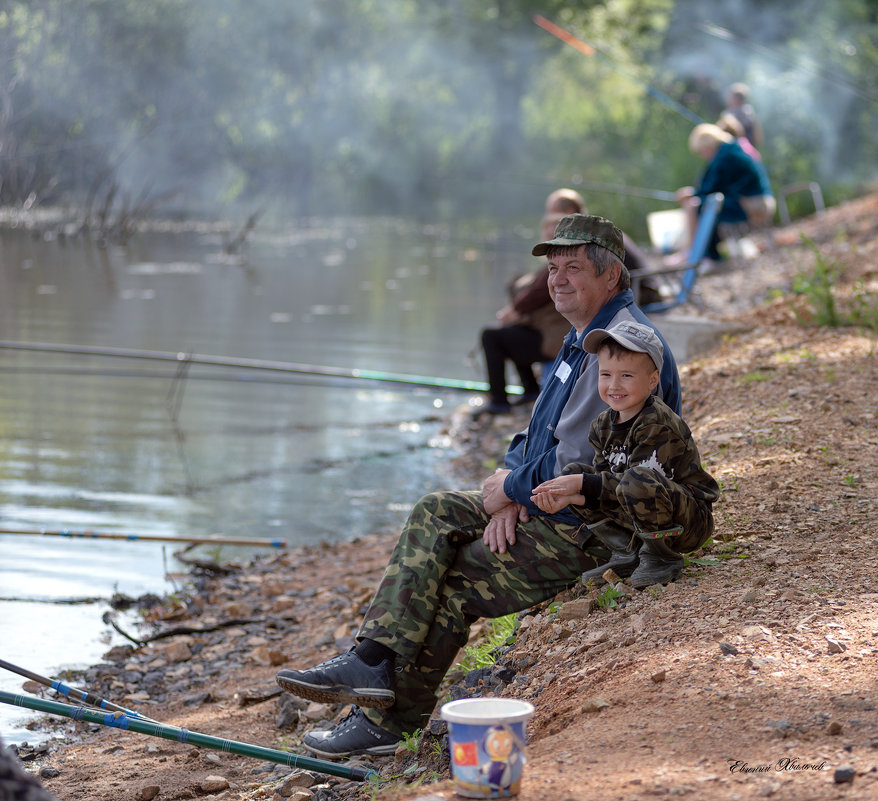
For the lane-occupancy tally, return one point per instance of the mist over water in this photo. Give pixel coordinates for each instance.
(309, 104)
(311, 107)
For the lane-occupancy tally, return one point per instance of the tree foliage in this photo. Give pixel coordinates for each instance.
(451, 106)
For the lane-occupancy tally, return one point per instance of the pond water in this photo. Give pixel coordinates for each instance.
(93, 442)
(120, 445)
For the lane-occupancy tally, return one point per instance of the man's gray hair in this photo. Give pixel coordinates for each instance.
(600, 257)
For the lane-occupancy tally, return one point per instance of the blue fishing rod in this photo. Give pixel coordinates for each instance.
(133, 537)
(74, 694)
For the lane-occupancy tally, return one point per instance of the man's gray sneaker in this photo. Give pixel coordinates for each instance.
(353, 734)
(344, 679)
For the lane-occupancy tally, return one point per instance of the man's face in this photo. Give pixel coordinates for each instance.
(577, 292)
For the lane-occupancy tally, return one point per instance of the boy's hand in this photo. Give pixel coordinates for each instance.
(553, 495)
(551, 502)
(561, 485)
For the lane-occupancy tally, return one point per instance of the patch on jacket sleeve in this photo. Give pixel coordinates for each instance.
(654, 464)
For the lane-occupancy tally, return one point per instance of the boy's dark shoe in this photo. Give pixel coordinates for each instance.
(344, 679)
(659, 562)
(353, 734)
(623, 557)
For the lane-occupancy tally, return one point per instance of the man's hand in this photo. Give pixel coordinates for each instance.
(494, 499)
(500, 530)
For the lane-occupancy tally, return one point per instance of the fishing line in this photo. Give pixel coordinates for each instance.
(621, 189)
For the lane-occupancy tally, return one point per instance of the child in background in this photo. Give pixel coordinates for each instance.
(646, 486)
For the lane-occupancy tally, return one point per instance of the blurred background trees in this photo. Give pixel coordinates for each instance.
(455, 108)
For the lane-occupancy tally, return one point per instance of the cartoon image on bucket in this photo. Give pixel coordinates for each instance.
(487, 739)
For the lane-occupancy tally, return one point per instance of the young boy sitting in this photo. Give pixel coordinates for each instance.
(646, 496)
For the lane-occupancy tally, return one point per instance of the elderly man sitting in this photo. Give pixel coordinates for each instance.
(463, 555)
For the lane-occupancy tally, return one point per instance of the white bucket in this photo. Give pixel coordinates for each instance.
(667, 230)
(487, 738)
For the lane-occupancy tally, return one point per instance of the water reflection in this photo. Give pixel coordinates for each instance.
(103, 425)
(108, 444)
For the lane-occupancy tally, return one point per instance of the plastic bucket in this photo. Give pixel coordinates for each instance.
(667, 229)
(487, 738)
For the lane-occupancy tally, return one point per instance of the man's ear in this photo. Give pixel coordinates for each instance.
(614, 274)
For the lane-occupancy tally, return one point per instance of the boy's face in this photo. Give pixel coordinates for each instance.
(625, 381)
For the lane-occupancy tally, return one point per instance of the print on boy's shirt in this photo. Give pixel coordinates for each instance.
(617, 457)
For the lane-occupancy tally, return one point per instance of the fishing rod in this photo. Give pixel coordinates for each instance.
(107, 535)
(583, 47)
(83, 696)
(564, 36)
(119, 720)
(256, 364)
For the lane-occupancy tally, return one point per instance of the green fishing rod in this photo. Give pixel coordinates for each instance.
(119, 720)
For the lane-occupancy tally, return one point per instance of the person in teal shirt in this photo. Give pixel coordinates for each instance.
(743, 181)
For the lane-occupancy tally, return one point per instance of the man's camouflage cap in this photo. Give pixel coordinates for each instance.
(580, 229)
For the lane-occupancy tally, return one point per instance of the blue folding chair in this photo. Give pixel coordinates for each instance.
(686, 274)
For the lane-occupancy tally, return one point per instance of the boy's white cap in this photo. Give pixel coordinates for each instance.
(634, 336)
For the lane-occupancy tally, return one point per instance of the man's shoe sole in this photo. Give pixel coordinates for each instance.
(340, 694)
(376, 750)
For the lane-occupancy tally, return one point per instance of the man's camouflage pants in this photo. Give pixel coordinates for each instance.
(441, 578)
